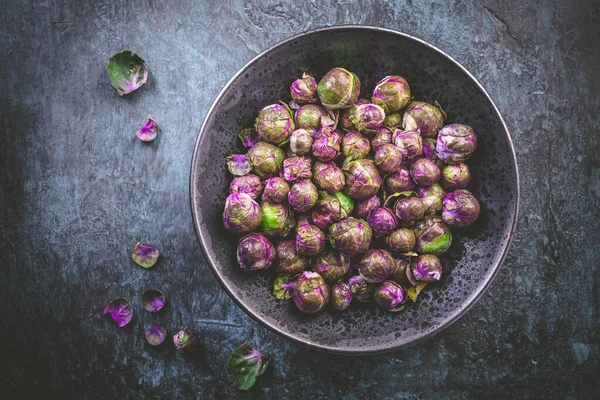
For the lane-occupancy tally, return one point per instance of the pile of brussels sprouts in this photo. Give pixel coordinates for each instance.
(350, 199)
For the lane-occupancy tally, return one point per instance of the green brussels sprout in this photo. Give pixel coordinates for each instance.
(311, 293)
(376, 265)
(309, 117)
(241, 214)
(393, 120)
(456, 176)
(266, 159)
(339, 88)
(275, 124)
(351, 236)
(401, 241)
(277, 219)
(283, 287)
(433, 236)
(392, 93)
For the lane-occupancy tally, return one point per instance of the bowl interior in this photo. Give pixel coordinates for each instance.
(371, 53)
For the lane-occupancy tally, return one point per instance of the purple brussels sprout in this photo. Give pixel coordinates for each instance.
(296, 168)
(426, 118)
(127, 72)
(425, 172)
(390, 296)
(276, 190)
(388, 158)
(362, 178)
(392, 93)
(460, 208)
(241, 214)
(376, 265)
(382, 221)
(409, 143)
(283, 287)
(361, 289)
(288, 261)
(311, 293)
(351, 236)
(304, 90)
(328, 177)
(339, 88)
(301, 142)
(401, 241)
(383, 136)
(148, 132)
(368, 118)
(153, 300)
(249, 137)
(456, 176)
(432, 197)
(393, 120)
(155, 335)
(410, 208)
(355, 145)
(145, 256)
(185, 340)
(341, 296)
(433, 236)
(399, 181)
(303, 195)
(277, 219)
(248, 184)
(238, 164)
(266, 159)
(364, 207)
(120, 311)
(331, 208)
(399, 274)
(310, 240)
(255, 252)
(456, 143)
(275, 124)
(309, 117)
(326, 144)
(331, 265)
(346, 115)
(427, 268)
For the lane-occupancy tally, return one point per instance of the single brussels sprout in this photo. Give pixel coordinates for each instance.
(425, 172)
(248, 184)
(255, 252)
(409, 143)
(426, 118)
(390, 296)
(456, 176)
(288, 261)
(339, 88)
(275, 124)
(346, 115)
(283, 287)
(185, 340)
(364, 207)
(303, 195)
(241, 214)
(401, 241)
(383, 136)
(361, 289)
(362, 178)
(427, 268)
(393, 120)
(368, 118)
(155, 335)
(331, 208)
(326, 144)
(304, 90)
(148, 132)
(153, 300)
(309, 117)
(238, 164)
(248, 364)
(127, 72)
(145, 256)
(277, 219)
(310, 240)
(460, 208)
(329, 177)
(410, 208)
(399, 274)
(120, 311)
(311, 293)
(249, 137)
(456, 143)
(388, 158)
(301, 142)
(392, 93)
(341, 296)
(266, 159)
(432, 197)
(399, 181)
(296, 168)
(351, 236)
(331, 265)
(276, 190)
(433, 236)
(355, 145)
(382, 221)
(376, 265)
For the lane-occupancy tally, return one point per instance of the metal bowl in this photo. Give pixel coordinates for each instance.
(372, 53)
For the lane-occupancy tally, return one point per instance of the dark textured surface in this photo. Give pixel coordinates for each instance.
(78, 190)
(372, 54)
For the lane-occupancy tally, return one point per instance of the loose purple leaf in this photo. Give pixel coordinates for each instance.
(149, 131)
(145, 256)
(120, 311)
(155, 335)
(153, 300)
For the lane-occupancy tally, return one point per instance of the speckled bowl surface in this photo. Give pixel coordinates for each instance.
(476, 253)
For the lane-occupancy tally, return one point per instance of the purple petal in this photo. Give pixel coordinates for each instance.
(120, 310)
(153, 300)
(156, 335)
(149, 131)
(145, 256)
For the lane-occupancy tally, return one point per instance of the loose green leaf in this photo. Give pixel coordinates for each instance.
(283, 288)
(127, 72)
(248, 364)
(413, 291)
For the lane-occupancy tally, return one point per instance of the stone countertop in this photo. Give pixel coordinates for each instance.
(78, 190)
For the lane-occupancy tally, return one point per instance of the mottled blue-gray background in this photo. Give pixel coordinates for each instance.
(78, 190)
